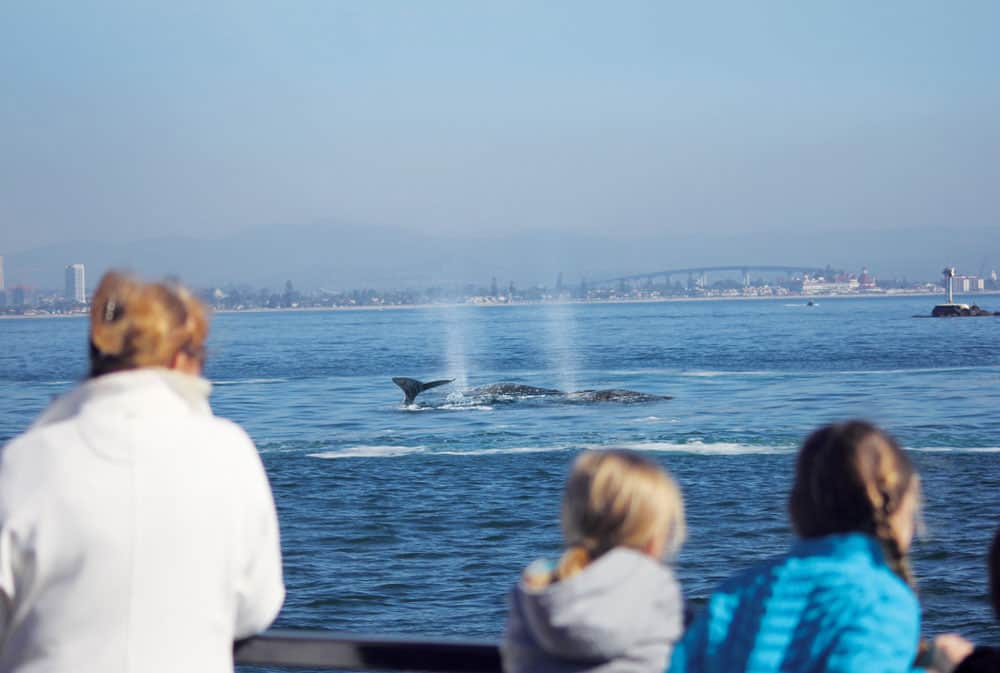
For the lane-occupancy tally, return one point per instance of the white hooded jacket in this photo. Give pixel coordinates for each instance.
(137, 532)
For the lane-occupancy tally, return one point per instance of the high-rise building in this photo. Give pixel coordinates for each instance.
(2, 286)
(76, 285)
(19, 297)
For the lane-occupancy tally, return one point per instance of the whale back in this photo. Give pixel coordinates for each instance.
(512, 389)
(615, 395)
(505, 391)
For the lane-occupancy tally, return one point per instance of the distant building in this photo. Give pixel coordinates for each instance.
(968, 284)
(2, 286)
(76, 284)
(866, 281)
(842, 284)
(19, 297)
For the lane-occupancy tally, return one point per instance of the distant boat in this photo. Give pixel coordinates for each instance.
(810, 303)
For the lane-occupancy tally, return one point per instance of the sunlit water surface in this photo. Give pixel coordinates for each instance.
(417, 520)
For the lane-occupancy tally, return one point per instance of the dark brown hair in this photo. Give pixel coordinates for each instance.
(135, 324)
(852, 477)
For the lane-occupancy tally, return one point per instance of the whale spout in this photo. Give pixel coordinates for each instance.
(413, 387)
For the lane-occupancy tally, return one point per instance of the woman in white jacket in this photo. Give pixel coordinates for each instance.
(137, 530)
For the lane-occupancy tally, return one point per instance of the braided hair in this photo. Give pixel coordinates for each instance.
(853, 477)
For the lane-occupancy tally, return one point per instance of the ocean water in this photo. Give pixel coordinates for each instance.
(417, 520)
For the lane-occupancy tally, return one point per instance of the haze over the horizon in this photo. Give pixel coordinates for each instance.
(397, 142)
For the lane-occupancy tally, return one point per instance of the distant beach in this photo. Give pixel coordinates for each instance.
(641, 300)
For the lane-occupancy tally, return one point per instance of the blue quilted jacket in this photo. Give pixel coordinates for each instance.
(831, 605)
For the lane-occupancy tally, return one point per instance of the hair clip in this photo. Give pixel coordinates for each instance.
(109, 310)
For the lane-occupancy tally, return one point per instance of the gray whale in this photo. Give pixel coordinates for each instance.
(512, 390)
(413, 387)
(615, 395)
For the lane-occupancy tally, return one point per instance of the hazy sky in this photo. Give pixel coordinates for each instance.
(130, 120)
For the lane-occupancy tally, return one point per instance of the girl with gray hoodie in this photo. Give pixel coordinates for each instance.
(609, 605)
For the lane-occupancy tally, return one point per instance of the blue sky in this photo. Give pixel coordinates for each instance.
(653, 121)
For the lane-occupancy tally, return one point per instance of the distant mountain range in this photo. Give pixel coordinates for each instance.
(338, 256)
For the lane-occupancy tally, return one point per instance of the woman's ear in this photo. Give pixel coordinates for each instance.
(655, 546)
(185, 363)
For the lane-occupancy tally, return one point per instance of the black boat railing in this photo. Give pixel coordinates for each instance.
(324, 650)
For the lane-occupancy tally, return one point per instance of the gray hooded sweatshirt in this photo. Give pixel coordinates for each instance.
(620, 614)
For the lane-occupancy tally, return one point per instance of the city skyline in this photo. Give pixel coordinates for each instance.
(664, 284)
(75, 285)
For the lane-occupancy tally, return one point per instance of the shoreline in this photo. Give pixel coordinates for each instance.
(643, 300)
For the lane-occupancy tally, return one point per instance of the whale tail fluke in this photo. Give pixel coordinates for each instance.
(412, 387)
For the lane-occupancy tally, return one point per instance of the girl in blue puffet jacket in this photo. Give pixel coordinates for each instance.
(841, 600)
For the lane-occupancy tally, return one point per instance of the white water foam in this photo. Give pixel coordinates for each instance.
(504, 450)
(279, 447)
(239, 382)
(370, 451)
(915, 370)
(450, 406)
(948, 449)
(377, 451)
(710, 374)
(698, 447)
(695, 447)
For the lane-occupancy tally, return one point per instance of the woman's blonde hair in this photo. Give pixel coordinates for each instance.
(852, 477)
(135, 324)
(618, 498)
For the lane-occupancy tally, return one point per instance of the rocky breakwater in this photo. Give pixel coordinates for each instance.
(960, 311)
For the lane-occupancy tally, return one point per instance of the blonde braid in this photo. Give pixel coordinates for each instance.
(573, 560)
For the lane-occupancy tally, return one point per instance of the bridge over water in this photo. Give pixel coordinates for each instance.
(701, 273)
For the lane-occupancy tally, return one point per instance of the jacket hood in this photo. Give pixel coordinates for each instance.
(108, 408)
(131, 389)
(622, 601)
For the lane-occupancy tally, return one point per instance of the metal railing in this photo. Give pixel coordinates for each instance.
(327, 650)
(332, 651)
